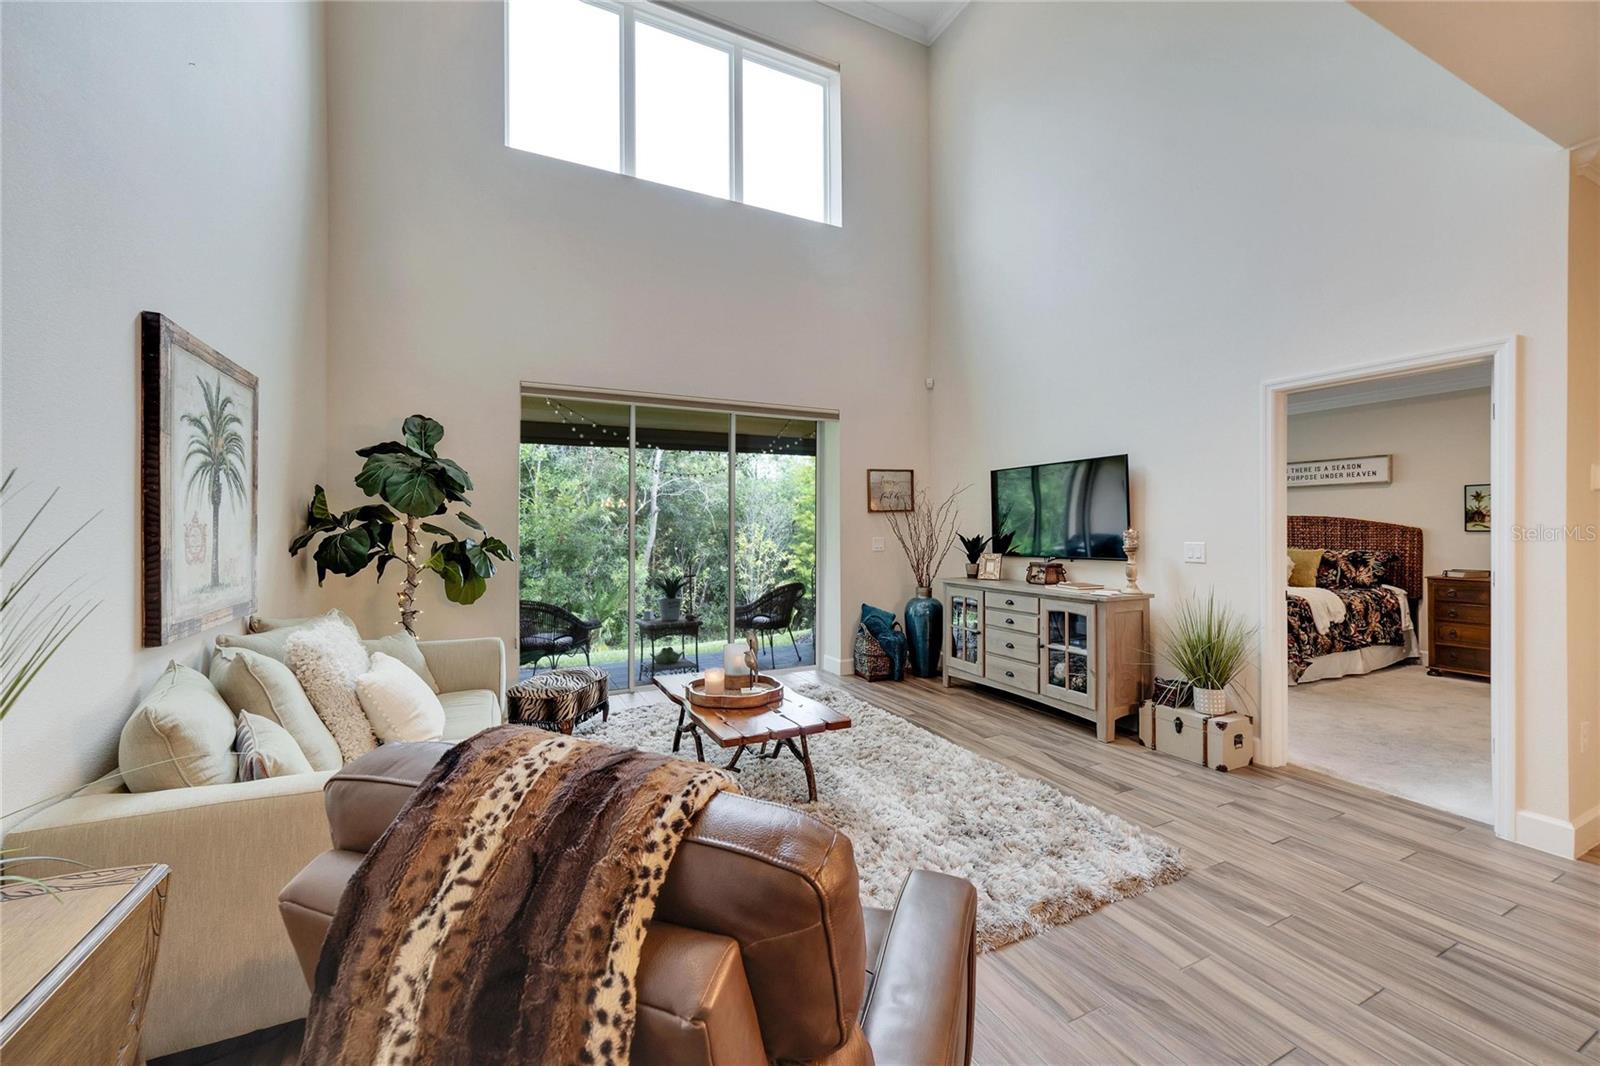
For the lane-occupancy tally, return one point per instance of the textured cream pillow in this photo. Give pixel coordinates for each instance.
(326, 659)
(270, 636)
(263, 686)
(398, 703)
(181, 735)
(403, 646)
(266, 749)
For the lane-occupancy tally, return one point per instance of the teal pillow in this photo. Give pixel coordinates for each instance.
(876, 617)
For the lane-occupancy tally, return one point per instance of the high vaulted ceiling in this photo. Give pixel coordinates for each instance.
(1540, 60)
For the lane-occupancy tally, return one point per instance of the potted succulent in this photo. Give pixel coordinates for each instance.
(671, 588)
(973, 546)
(1209, 643)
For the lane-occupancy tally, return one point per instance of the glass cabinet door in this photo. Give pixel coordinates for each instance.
(966, 630)
(1069, 653)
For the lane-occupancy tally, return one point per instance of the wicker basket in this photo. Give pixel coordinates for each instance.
(870, 660)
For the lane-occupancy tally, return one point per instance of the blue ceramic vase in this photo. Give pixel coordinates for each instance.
(924, 632)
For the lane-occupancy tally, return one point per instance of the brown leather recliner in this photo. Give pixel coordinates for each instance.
(760, 948)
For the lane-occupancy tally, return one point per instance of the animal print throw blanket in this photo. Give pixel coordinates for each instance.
(499, 919)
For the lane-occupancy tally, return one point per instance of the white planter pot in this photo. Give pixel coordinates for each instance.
(671, 610)
(1211, 701)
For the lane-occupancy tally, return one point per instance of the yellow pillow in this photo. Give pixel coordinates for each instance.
(1306, 561)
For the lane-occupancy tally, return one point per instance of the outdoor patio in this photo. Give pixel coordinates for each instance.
(615, 663)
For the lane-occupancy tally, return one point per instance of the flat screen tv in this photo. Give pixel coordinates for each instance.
(1072, 510)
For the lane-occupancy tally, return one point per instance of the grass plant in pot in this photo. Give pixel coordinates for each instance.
(1209, 644)
(926, 533)
(973, 547)
(671, 588)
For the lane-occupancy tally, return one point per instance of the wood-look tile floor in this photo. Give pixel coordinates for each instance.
(1318, 922)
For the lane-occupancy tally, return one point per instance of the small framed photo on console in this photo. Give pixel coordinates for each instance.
(989, 566)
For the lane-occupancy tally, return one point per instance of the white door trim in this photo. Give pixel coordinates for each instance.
(1503, 354)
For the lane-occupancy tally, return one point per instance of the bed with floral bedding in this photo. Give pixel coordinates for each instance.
(1359, 615)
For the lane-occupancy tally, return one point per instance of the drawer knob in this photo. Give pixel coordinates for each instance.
(1010, 674)
(1010, 645)
(1011, 621)
(1011, 603)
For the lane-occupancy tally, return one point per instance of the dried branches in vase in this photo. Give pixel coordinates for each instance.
(926, 534)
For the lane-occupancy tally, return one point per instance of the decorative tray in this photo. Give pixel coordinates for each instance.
(765, 691)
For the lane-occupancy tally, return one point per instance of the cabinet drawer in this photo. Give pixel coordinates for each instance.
(1011, 601)
(1010, 672)
(1465, 592)
(1009, 619)
(1471, 660)
(1461, 633)
(1014, 644)
(1474, 613)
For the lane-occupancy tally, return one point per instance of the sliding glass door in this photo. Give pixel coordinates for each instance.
(653, 534)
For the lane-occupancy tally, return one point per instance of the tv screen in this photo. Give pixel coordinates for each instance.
(1073, 510)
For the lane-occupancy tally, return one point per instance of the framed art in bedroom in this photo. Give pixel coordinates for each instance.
(197, 465)
(1475, 507)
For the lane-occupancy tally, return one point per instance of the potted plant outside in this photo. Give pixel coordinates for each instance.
(671, 588)
(1209, 643)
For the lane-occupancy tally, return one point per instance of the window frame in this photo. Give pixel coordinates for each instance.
(738, 47)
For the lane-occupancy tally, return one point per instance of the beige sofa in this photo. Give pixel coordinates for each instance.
(225, 967)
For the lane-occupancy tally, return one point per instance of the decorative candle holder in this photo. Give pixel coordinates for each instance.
(1130, 548)
(715, 681)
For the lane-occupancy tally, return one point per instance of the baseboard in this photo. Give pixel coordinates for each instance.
(1557, 836)
(832, 664)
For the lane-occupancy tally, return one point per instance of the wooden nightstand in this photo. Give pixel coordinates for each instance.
(1458, 626)
(78, 963)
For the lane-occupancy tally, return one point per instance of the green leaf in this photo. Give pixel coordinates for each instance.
(468, 520)
(372, 512)
(345, 553)
(438, 531)
(404, 482)
(388, 447)
(463, 590)
(478, 559)
(497, 547)
(456, 476)
(319, 507)
(422, 433)
(298, 544)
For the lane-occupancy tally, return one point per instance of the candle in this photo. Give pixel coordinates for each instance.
(733, 660)
(714, 681)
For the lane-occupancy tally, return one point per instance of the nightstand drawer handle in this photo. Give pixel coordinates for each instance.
(1011, 621)
(1010, 674)
(1011, 603)
(1011, 645)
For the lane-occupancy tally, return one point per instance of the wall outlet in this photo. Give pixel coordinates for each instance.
(1194, 551)
(877, 544)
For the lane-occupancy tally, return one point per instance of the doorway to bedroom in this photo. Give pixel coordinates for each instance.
(1387, 580)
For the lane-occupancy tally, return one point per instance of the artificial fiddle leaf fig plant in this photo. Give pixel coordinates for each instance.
(414, 482)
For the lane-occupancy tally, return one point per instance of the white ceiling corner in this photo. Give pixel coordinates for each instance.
(1465, 378)
(918, 20)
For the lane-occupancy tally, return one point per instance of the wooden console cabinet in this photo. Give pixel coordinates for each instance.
(1458, 626)
(1086, 654)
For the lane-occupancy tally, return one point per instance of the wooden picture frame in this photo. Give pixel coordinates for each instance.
(1477, 515)
(891, 491)
(989, 566)
(199, 421)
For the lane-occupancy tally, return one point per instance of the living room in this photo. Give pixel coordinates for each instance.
(1044, 233)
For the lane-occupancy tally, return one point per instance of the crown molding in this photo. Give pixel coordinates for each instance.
(885, 17)
(1387, 390)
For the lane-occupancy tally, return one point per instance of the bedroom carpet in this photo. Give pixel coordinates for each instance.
(910, 799)
(1400, 731)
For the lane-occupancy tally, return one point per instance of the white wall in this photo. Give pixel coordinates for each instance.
(166, 157)
(461, 268)
(1142, 211)
(1439, 444)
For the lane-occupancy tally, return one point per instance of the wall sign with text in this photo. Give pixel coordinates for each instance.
(1360, 470)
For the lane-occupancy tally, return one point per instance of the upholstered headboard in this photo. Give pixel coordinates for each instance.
(1324, 531)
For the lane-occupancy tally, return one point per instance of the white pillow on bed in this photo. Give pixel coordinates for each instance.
(399, 704)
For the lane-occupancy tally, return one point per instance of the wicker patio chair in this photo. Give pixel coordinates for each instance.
(769, 613)
(549, 632)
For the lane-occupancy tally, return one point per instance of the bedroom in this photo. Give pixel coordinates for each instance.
(1389, 512)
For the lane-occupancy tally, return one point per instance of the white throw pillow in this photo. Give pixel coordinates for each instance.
(399, 704)
(327, 657)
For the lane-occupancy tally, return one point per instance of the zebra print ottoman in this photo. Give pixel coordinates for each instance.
(559, 699)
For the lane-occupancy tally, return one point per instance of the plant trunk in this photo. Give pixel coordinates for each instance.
(216, 544)
(408, 590)
(654, 512)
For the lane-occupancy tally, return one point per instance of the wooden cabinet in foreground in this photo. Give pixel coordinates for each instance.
(78, 960)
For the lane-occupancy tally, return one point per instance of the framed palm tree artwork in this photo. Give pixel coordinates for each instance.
(197, 461)
(1475, 502)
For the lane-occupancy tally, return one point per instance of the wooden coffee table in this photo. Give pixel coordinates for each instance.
(776, 728)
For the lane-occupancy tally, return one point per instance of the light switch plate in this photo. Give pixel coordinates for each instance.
(1194, 551)
(877, 544)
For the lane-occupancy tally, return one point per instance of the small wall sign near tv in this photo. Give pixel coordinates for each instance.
(1072, 510)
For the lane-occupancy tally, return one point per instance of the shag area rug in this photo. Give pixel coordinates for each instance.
(910, 799)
